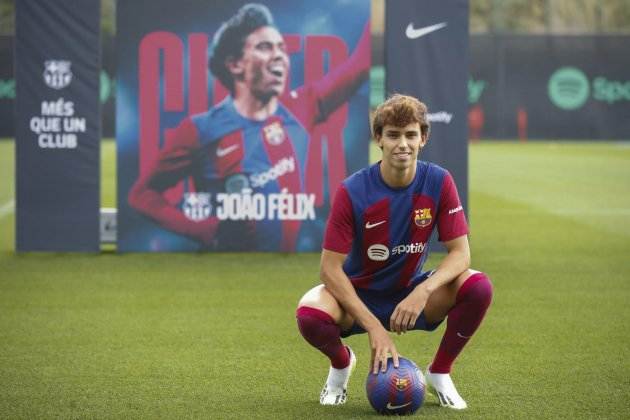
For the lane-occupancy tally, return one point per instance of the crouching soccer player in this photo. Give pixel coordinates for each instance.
(375, 244)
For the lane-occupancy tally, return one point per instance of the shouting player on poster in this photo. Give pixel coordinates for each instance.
(375, 244)
(246, 156)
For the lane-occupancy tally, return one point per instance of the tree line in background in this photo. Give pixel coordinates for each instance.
(521, 16)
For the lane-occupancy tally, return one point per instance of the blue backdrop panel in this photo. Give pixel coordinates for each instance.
(57, 63)
(426, 55)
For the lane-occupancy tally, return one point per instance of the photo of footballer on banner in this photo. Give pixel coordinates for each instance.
(254, 170)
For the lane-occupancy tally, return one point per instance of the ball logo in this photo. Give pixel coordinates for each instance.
(57, 73)
(378, 252)
(402, 383)
(568, 88)
(197, 206)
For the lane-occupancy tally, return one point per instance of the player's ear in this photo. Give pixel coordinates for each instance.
(379, 141)
(424, 138)
(234, 66)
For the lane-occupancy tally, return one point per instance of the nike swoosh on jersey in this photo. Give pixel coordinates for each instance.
(413, 33)
(369, 225)
(227, 150)
(390, 406)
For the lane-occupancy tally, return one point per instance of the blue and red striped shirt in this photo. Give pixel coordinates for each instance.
(385, 231)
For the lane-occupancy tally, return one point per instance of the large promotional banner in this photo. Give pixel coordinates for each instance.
(57, 63)
(426, 44)
(236, 123)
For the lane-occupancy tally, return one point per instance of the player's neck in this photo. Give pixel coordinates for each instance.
(396, 177)
(252, 107)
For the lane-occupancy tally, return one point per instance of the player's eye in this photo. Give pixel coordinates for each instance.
(264, 46)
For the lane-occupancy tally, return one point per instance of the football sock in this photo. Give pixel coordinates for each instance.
(320, 330)
(471, 303)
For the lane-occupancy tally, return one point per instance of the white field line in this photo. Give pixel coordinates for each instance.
(7, 208)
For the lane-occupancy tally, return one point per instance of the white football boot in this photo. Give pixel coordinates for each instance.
(336, 386)
(441, 385)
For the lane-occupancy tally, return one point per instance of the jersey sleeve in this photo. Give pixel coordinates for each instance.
(177, 157)
(451, 218)
(340, 227)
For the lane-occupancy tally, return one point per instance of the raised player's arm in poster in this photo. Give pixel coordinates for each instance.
(334, 88)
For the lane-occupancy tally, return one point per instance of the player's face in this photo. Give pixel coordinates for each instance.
(401, 145)
(264, 65)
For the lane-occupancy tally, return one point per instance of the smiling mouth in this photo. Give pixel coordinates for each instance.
(276, 70)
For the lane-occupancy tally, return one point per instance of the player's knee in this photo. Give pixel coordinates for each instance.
(314, 298)
(319, 298)
(478, 287)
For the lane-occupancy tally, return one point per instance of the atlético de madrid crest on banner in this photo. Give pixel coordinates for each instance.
(57, 73)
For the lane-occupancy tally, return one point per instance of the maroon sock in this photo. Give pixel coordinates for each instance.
(320, 330)
(471, 303)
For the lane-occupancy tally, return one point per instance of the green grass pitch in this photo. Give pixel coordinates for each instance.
(214, 336)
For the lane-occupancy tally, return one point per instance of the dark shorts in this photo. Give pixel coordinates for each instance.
(382, 305)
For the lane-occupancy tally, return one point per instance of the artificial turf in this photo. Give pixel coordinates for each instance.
(214, 335)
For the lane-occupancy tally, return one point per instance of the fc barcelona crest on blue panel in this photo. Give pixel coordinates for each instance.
(422, 217)
(197, 206)
(57, 73)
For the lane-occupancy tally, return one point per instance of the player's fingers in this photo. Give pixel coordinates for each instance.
(373, 361)
(384, 361)
(405, 321)
(398, 322)
(395, 357)
(376, 363)
(392, 320)
(412, 322)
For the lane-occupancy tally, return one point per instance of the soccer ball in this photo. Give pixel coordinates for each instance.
(397, 391)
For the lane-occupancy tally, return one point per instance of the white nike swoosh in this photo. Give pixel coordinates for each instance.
(227, 150)
(394, 407)
(462, 336)
(369, 225)
(417, 33)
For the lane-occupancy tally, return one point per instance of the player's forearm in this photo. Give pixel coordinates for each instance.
(343, 81)
(339, 285)
(456, 262)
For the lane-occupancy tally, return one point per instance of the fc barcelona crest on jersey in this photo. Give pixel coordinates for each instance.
(274, 133)
(422, 218)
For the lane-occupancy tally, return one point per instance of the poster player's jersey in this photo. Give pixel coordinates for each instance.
(385, 231)
(229, 156)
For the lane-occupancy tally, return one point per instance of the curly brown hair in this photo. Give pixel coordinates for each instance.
(400, 110)
(229, 40)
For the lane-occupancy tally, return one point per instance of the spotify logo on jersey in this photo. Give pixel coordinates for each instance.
(568, 88)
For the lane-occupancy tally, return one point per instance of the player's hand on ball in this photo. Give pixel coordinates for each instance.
(408, 310)
(382, 347)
